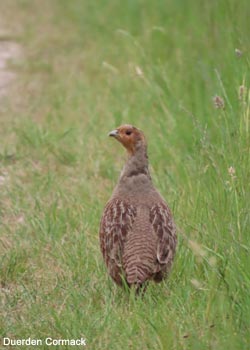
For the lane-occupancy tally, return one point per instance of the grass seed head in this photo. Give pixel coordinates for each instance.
(231, 171)
(138, 71)
(242, 93)
(238, 52)
(218, 102)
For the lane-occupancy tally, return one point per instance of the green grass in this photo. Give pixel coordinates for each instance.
(86, 68)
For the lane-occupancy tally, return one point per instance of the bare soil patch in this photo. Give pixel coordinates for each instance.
(9, 51)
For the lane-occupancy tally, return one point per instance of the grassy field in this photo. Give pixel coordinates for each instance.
(86, 68)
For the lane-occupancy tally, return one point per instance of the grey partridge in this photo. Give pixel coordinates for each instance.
(137, 231)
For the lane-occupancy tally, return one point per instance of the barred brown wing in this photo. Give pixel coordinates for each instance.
(116, 222)
(164, 227)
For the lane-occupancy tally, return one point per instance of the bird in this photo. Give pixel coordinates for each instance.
(137, 231)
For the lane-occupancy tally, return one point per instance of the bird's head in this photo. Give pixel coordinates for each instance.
(130, 137)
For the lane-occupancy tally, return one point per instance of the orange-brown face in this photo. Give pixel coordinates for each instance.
(129, 136)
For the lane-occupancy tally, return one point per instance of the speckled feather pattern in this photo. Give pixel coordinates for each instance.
(117, 221)
(137, 231)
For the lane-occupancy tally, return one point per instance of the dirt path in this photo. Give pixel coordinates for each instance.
(9, 50)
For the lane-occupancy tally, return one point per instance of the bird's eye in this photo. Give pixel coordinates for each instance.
(128, 132)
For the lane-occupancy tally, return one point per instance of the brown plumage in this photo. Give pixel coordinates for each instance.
(137, 231)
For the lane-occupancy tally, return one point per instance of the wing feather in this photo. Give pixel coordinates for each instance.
(163, 225)
(116, 222)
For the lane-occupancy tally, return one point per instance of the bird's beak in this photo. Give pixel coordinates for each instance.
(113, 133)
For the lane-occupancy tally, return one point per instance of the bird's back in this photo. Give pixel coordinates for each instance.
(139, 255)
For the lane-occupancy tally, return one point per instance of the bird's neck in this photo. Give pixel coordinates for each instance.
(136, 164)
